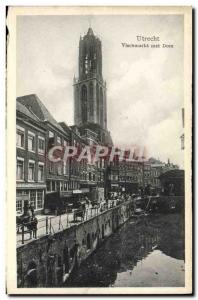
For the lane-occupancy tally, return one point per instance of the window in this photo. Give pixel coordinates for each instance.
(19, 205)
(59, 140)
(31, 170)
(70, 185)
(53, 185)
(64, 167)
(48, 185)
(59, 169)
(65, 143)
(20, 169)
(91, 97)
(65, 186)
(39, 199)
(21, 196)
(58, 185)
(41, 145)
(31, 141)
(84, 103)
(51, 140)
(51, 134)
(20, 137)
(33, 198)
(103, 163)
(51, 167)
(40, 172)
(21, 193)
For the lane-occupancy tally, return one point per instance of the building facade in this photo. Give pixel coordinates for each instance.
(56, 173)
(30, 159)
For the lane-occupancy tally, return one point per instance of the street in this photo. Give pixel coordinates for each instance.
(49, 224)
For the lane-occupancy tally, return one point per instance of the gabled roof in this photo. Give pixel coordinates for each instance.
(36, 107)
(22, 109)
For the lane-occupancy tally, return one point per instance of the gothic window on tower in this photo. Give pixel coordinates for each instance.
(84, 103)
(86, 65)
(90, 65)
(97, 103)
(101, 107)
(91, 98)
(94, 63)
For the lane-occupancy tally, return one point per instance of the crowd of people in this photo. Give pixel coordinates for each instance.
(103, 204)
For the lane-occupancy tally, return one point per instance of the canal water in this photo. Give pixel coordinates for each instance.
(146, 252)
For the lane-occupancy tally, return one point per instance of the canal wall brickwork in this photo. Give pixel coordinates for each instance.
(49, 260)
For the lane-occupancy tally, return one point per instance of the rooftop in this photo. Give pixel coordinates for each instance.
(34, 105)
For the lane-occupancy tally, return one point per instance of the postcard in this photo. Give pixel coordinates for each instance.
(99, 150)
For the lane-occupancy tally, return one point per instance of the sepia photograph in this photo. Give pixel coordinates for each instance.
(99, 129)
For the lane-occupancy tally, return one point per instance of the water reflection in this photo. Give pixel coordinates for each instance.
(148, 252)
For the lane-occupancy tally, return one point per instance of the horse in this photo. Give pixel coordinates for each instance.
(29, 222)
(22, 221)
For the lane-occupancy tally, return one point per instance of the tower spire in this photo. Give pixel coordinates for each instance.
(90, 89)
(90, 31)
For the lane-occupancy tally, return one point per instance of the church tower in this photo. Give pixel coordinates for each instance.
(89, 88)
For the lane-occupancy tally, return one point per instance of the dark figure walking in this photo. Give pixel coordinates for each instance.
(34, 223)
(31, 207)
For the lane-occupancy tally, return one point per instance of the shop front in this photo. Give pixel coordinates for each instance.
(31, 193)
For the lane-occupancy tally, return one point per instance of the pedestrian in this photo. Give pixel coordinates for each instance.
(34, 226)
(31, 207)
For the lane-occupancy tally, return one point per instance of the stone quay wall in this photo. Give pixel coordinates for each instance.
(48, 261)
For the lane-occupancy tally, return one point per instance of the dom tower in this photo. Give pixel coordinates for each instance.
(90, 108)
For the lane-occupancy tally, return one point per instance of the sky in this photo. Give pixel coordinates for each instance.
(144, 85)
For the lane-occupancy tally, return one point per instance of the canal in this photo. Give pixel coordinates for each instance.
(146, 252)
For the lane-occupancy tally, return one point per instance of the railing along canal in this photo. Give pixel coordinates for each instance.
(51, 224)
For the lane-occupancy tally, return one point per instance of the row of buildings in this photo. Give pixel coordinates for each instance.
(37, 132)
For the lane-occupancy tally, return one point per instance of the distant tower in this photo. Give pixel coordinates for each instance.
(89, 88)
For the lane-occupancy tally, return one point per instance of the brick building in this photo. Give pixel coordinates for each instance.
(57, 173)
(91, 180)
(30, 159)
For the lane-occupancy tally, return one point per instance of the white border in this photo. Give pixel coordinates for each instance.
(10, 154)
